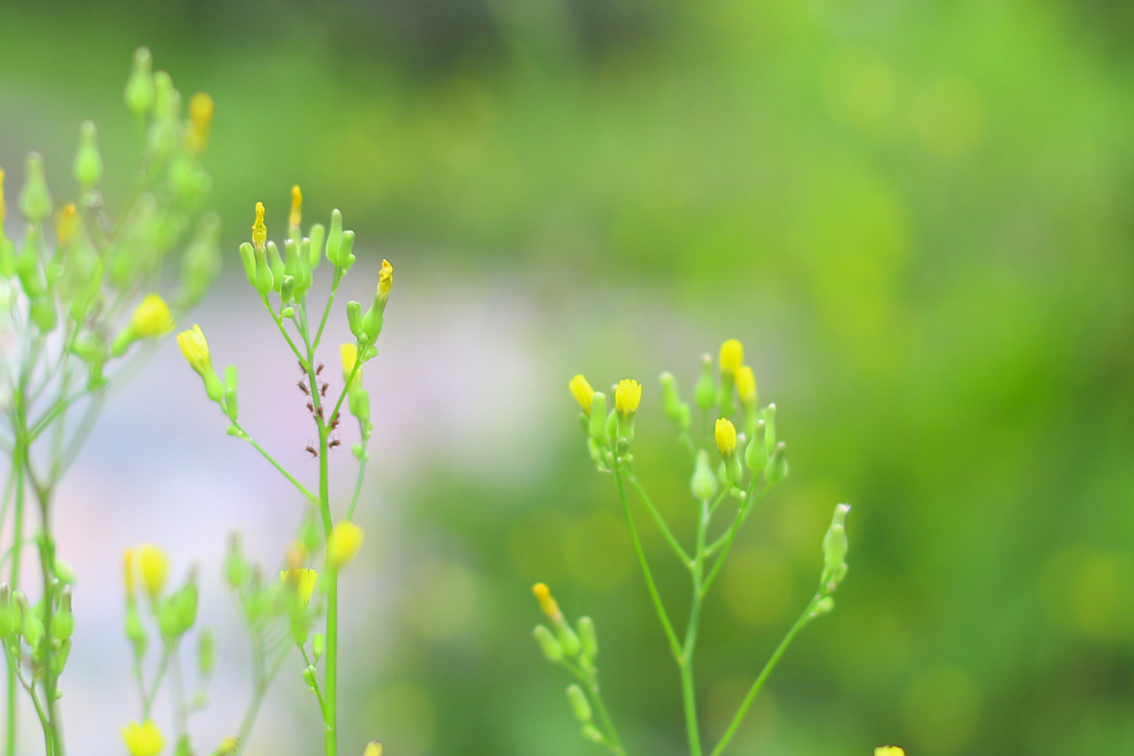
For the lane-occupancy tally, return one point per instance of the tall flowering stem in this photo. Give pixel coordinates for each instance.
(726, 465)
(282, 283)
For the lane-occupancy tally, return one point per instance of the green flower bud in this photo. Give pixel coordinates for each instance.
(335, 237)
(35, 197)
(33, 630)
(587, 637)
(676, 410)
(206, 652)
(298, 626)
(345, 257)
(59, 660)
(756, 455)
(835, 543)
(704, 483)
(248, 257)
(598, 417)
(318, 235)
(27, 265)
(44, 313)
(705, 393)
(230, 406)
(7, 616)
(88, 162)
(318, 645)
(135, 630)
(777, 467)
(139, 94)
(201, 263)
(591, 733)
(567, 637)
(298, 267)
(309, 677)
(265, 280)
(235, 564)
(579, 703)
(547, 643)
(354, 320)
(825, 605)
(287, 288)
(277, 263)
(63, 622)
(769, 417)
(358, 402)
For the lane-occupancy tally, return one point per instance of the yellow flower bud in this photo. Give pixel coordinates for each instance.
(627, 397)
(546, 602)
(153, 563)
(373, 748)
(889, 751)
(344, 543)
(228, 745)
(301, 580)
(349, 353)
(583, 392)
(385, 279)
(259, 230)
(200, 121)
(143, 739)
(67, 224)
(151, 318)
(746, 384)
(195, 348)
(128, 572)
(726, 436)
(296, 206)
(732, 356)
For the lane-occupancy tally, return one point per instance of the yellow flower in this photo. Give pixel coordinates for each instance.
(385, 279)
(296, 206)
(302, 579)
(345, 541)
(583, 392)
(546, 602)
(200, 120)
(732, 356)
(65, 228)
(889, 751)
(627, 397)
(143, 739)
(373, 748)
(195, 348)
(726, 436)
(228, 745)
(349, 354)
(128, 572)
(153, 563)
(259, 230)
(746, 384)
(151, 318)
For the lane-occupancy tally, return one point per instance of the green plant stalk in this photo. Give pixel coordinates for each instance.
(689, 649)
(19, 454)
(763, 676)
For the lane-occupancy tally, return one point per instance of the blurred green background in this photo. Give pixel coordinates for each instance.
(917, 216)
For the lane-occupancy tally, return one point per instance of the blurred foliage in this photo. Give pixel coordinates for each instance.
(919, 213)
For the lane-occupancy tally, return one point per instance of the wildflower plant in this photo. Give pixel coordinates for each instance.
(732, 472)
(81, 304)
(327, 539)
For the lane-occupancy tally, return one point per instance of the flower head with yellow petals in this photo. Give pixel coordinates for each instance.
(889, 751)
(732, 356)
(627, 397)
(385, 280)
(344, 543)
(549, 606)
(195, 348)
(153, 563)
(151, 318)
(259, 229)
(725, 433)
(582, 392)
(301, 580)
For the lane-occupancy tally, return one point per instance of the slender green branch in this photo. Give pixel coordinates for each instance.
(357, 484)
(673, 542)
(279, 324)
(327, 310)
(675, 646)
(760, 680)
(750, 501)
(302, 489)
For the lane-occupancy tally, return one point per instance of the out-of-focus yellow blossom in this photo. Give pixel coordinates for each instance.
(143, 739)
(549, 606)
(153, 563)
(151, 318)
(746, 384)
(373, 748)
(296, 206)
(732, 356)
(67, 224)
(128, 573)
(582, 392)
(344, 543)
(302, 579)
(889, 751)
(200, 122)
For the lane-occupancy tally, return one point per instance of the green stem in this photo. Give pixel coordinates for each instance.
(19, 460)
(759, 683)
(302, 489)
(725, 541)
(674, 645)
(358, 483)
(688, 686)
(658, 519)
(327, 309)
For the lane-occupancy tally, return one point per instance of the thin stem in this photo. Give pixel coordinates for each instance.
(302, 489)
(279, 324)
(688, 686)
(759, 683)
(674, 645)
(148, 698)
(315, 684)
(750, 501)
(357, 484)
(673, 542)
(327, 310)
